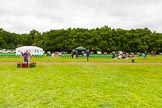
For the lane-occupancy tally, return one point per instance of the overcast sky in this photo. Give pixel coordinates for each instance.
(22, 16)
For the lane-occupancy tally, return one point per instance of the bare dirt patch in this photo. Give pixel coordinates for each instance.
(89, 63)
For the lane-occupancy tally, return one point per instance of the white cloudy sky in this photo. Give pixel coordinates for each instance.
(22, 16)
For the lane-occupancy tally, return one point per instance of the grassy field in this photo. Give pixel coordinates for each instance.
(81, 86)
(148, 59)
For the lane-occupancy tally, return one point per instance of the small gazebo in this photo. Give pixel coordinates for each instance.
(80, 48)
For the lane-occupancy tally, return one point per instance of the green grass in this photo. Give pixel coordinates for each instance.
(138, 59)
(81, 86)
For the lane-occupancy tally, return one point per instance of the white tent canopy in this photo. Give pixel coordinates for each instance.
(34, 50)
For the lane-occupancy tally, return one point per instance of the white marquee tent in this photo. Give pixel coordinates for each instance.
(34, 50)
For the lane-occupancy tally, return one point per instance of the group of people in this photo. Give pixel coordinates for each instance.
(86, 53)
(122, 55)
(119, 55)
(75, 53)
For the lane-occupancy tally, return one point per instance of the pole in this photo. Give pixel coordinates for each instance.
(87, 58)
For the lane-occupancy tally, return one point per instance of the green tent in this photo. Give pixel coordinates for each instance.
(80, 48)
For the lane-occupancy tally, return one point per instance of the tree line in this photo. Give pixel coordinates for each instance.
(102, 39)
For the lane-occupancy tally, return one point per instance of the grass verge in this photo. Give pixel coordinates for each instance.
(80, 86)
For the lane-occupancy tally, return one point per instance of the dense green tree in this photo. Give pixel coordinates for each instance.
(8, 40)
(103, 39)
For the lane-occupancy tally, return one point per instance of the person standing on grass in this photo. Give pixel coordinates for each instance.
(132, 56)
(25, 55)
(145, 53)
(87, 53)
